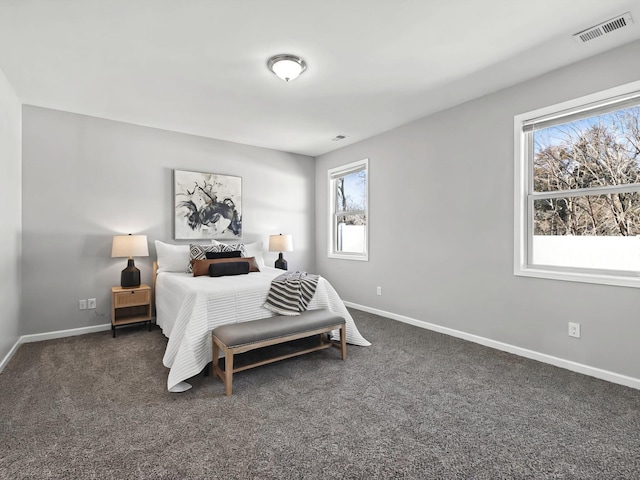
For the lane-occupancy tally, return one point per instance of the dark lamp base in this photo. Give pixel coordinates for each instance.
(281, 263)
(130, 276)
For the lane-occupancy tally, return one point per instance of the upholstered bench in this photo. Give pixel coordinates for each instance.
(245, 336)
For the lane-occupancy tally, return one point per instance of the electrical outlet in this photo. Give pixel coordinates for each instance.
(378, 290)
(574, 329)
(91, 303)
(82, 304)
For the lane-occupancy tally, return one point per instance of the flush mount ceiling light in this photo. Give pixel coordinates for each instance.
(286, 66)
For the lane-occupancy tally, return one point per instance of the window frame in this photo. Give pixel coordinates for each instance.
(524, 194)
(332, 175)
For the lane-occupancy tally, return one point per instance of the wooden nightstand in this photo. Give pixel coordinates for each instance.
(130, 305)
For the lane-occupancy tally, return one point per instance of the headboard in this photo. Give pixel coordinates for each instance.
(155, 273)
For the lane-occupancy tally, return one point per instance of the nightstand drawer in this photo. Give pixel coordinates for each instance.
(131, 298)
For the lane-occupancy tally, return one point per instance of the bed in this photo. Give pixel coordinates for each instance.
(188, 308)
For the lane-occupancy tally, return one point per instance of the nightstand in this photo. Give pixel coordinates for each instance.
(130, 305)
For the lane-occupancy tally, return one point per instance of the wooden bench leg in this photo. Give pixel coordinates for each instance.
(214, 362)
(228, 371)
(343, 342)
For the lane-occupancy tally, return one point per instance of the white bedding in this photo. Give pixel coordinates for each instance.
(188, 308)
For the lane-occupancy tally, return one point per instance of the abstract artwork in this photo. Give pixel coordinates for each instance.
(206, 205)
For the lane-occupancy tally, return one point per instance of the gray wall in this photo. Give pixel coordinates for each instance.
(10, 215)
(86, 179)
(441, 228)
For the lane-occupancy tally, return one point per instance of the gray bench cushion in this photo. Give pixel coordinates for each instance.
(243, 333)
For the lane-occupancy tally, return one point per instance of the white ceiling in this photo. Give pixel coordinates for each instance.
(199, 66)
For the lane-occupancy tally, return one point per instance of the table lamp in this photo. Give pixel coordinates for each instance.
(281, 243)
(130, 246)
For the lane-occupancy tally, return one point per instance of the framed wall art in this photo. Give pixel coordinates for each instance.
(206, 206)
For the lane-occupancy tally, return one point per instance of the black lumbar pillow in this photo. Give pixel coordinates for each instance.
(214, 255)
(228, 268)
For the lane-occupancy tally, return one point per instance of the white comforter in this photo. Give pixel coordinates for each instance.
(188, 308)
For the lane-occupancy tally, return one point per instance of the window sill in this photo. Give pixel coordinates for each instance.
(583, 277)
(346, 256)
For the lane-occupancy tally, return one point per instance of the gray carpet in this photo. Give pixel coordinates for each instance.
(415, 405)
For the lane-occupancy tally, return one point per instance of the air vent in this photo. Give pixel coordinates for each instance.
(604, 28)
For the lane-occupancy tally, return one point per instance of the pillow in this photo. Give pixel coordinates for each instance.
(213, 255)
(199, 252)
(231, 268)
(255, 250)
(171, 258)
(233, 247)
(201, 267)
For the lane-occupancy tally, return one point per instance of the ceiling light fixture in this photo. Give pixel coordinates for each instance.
(286, 66)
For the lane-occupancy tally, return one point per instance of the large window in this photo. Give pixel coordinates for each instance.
(578, 189)
(348, 211)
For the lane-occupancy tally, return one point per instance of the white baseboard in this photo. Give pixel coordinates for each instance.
(38, 337)
(72, 332)
(505, 347)
(10, 355)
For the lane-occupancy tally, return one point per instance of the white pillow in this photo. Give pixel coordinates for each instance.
(255, 250)
(172, 258)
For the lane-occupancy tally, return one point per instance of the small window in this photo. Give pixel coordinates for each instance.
(578, 190)
(348, 211)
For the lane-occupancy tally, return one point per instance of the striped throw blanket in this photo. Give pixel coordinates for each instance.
(291, 292)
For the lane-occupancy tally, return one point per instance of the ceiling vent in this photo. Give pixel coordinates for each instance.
(604, 28)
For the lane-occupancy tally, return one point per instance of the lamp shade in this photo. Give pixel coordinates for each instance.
(130, 246)
(287, 66)
(280, 243)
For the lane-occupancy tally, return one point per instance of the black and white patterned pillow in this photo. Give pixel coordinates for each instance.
(199, 252)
